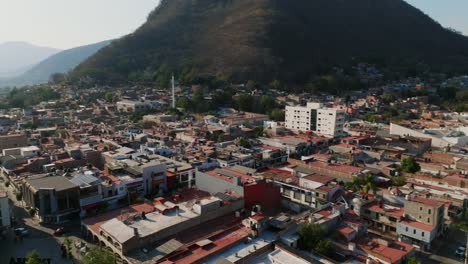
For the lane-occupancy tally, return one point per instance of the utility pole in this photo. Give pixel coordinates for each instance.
(173, 92)
(466, 247)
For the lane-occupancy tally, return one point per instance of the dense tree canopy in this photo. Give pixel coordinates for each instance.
(410, 165)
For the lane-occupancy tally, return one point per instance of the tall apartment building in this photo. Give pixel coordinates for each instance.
(316, 118)
(423, 221)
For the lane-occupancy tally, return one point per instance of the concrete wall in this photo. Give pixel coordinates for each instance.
(416, 233)
(212, 184)
(403, 131)
(5, 211)
(420, 212)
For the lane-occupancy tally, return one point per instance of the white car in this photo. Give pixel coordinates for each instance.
(21, 231)
(460, 252)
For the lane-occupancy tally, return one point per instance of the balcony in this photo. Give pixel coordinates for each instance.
(93, 199)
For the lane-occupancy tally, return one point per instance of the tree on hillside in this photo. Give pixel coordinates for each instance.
(410, 165)
(275, 84)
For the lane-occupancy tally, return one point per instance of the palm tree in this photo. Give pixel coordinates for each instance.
(364, 184)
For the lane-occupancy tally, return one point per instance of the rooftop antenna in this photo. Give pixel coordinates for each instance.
(173, 92)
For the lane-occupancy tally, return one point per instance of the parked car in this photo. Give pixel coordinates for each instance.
(21, 231)
(460, 252)
(59, 231)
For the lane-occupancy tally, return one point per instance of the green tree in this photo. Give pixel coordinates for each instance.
(399, 180)
(33, 258)
(410, 165)
(245, 102)
(109, 97)
(267, 103)
(98, 256)
(68, 246)
(324, 247)
(275, 84)
(258, 132)
(221, 138)
(413, 260)
(252, 85)
(244, 143)
(388, 98)
(364, 184)
(310, 235)
(277, 114)
(184, 102)
(57, 78)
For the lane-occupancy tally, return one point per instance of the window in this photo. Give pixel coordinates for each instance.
(297, 195)
(420, 208)
(414, 231)
(308, 198)
(429, 211)
(428, 220)
(422, 234)
(406, 229)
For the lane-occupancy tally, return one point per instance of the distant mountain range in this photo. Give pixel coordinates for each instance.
(265, 40)
(61, 62)
(18, 57)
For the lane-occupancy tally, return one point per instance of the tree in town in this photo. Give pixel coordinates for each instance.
(98, 256)
(109, 97)
(399, 180)
(310, 235)
(410, 165)
(68, 246)
(413, 260)
(244, 143)
(364, 184)
(324, 247)
(33, 258)
(245, 102)
(277, 114)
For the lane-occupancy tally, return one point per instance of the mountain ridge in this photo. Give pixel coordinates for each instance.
(61, 62)
(18, 56)
(275, 39)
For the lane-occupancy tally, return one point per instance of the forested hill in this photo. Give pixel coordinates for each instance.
(275, 39)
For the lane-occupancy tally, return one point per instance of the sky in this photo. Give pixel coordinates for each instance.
(70, 23)
(449, 13)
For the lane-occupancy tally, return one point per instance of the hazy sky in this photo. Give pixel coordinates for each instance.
(70, 23)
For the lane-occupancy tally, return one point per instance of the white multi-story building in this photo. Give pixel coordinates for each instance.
(5, 218)
(316, 118)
